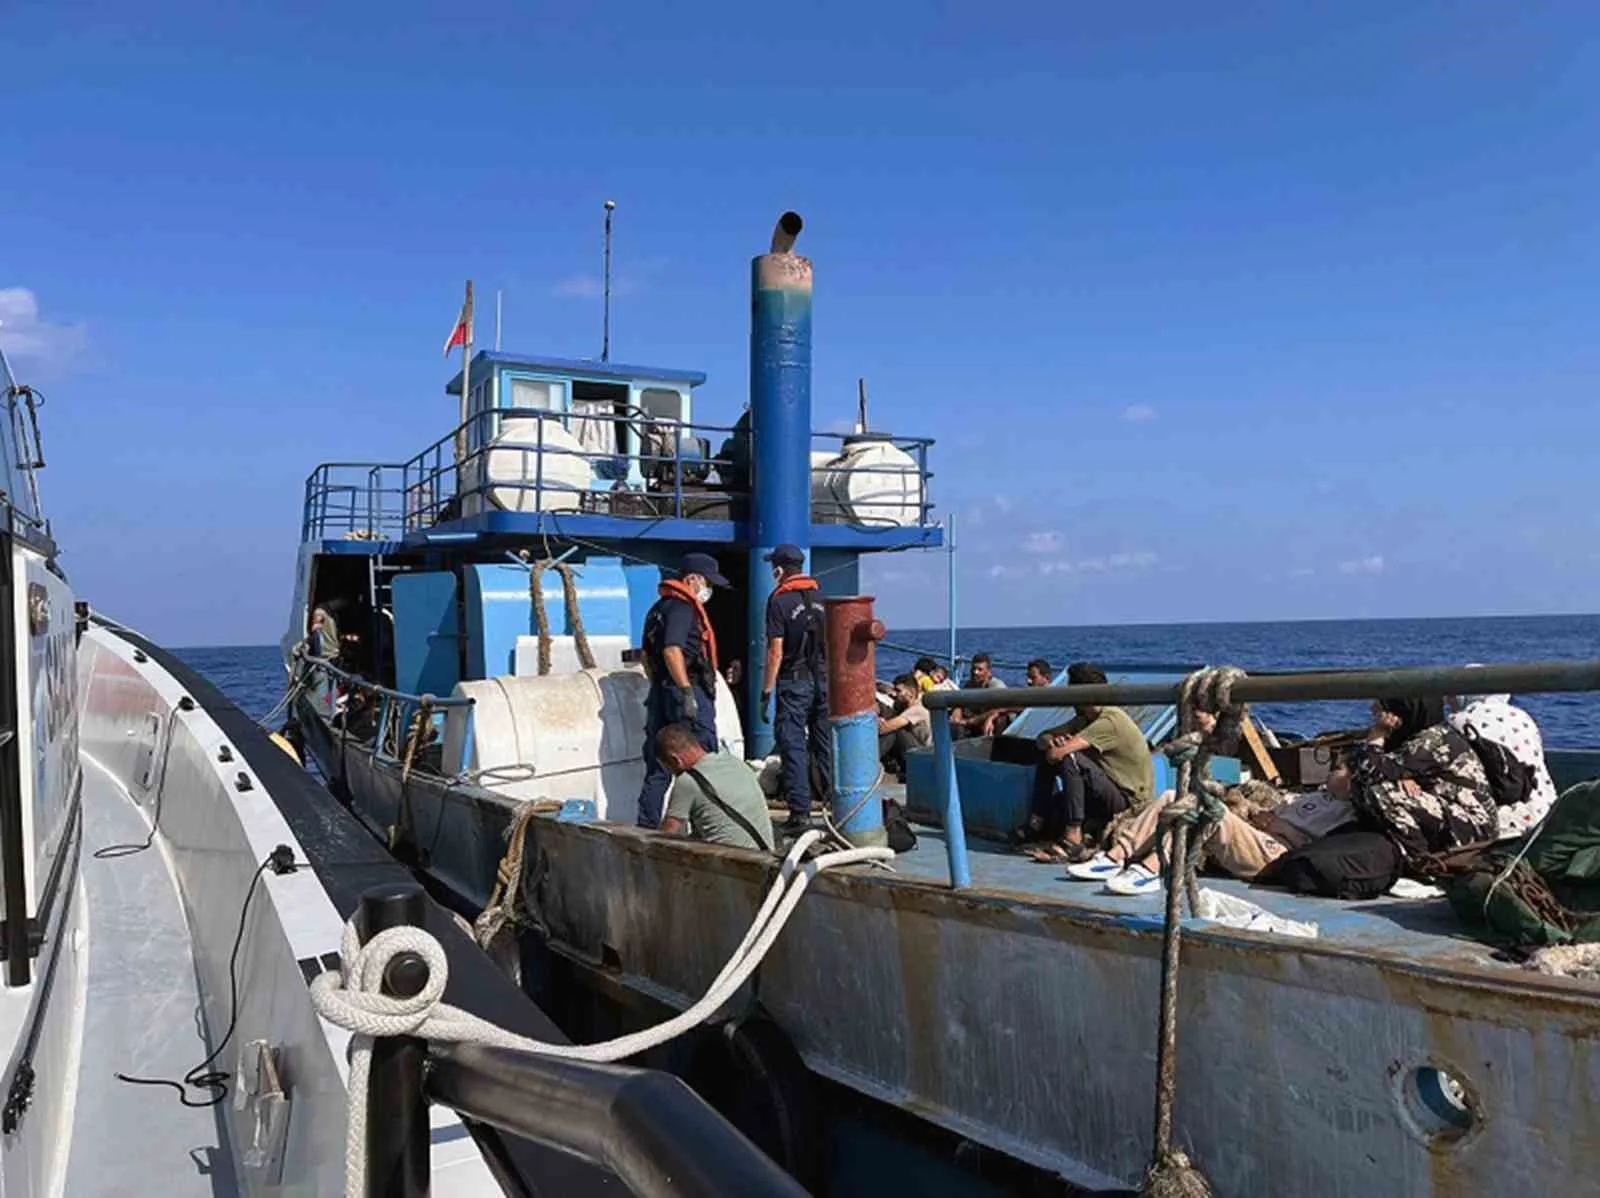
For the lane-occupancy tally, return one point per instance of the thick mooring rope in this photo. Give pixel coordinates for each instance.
(504, 906)
(580, 638)
(351, 996)
(1171, 1173)
(541, 617)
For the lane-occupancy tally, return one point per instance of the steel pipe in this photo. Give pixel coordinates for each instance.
(780, 442)
(650, 1129)
(949, 801)
(1528, 678)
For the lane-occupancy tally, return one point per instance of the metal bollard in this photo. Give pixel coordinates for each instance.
(398, 1137)
(853, 635)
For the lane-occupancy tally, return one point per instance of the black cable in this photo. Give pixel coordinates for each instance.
(113, 851)
(280, 861)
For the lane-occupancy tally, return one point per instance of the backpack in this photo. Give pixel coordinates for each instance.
(897, 827)
(1510, 781)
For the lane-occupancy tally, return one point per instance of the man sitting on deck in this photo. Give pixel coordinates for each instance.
(977, 723)
(993, 723)
(909, 728)
(715, 796)
(1095, 766)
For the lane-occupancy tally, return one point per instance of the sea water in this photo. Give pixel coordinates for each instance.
(253, 676)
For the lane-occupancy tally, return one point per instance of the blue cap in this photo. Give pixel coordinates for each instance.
(786, 555)
(704, 565)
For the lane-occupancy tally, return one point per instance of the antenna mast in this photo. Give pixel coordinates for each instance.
(605, 335)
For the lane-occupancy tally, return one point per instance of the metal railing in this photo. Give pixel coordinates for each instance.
(395, 708)
(356, 500)
(649, 1129)
(628, 465)
(1545, 677)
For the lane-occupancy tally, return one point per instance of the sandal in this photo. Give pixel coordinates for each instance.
(1050, 854)
(1061, 853)
(1023, 834)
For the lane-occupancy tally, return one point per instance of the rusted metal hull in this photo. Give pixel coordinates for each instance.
(1028, 1024)
(1031, 1028)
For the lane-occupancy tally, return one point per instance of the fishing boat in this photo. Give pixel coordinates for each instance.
(461, 666)
(173, 885)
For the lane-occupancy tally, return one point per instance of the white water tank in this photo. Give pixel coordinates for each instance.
(532, 465)
(871, 482)
(567, 736)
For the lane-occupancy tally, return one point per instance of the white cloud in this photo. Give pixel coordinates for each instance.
(1098, 565)
(1302, 572)
(28, 339)
(593, 287)
(1048, 541)
(1131, 561)
(1002, 504)
(1138, 413)
(632, 281)
(1372, 564)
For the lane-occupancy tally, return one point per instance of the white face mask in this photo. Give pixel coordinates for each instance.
(704, 594)
(777, 576)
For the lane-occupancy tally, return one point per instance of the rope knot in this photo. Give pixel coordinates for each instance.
(352, 996)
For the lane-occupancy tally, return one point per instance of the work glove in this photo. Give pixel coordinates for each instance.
(687, 707)
(766, 704)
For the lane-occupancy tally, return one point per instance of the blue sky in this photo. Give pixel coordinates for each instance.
(1217, 311)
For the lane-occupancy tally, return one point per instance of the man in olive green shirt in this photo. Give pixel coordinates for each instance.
(715, 796)
(1094, 766)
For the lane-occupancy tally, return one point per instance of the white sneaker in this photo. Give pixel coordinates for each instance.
(1136, 879)
(1097, 869)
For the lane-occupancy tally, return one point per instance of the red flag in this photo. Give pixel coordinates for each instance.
(462, 334)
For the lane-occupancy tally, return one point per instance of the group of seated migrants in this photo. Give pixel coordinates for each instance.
(1421, 784)
(908, 726)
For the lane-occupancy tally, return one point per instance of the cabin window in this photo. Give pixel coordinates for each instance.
(478, 401)
(527, 393)
(534, 393)
(661, 402)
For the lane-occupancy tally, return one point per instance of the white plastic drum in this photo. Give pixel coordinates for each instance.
(567, 736)
(540, 465)
(873, 483)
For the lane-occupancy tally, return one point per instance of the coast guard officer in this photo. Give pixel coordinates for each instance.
(680, 654)
(797, 663)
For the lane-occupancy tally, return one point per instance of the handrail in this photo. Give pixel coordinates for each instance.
(657, 1135)
(353, 497)
(357, 682)
(660, 1138)
(1526, 678)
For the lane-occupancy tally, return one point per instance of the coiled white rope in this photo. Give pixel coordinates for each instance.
(350, 997)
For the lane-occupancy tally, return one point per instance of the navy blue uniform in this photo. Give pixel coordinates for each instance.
(671, 623)
(800, 724)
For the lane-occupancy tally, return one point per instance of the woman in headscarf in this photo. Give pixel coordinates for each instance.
(1418, 780)
(1495, 719)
